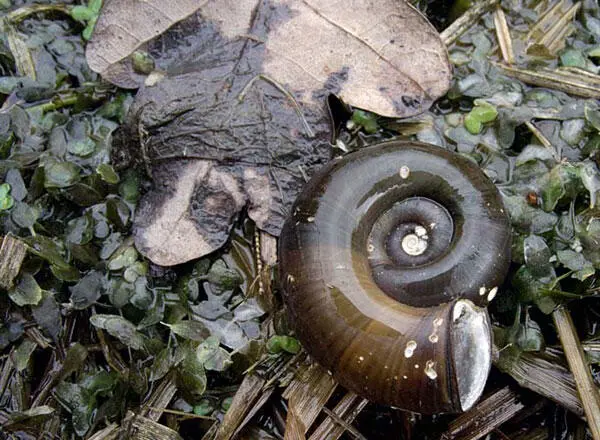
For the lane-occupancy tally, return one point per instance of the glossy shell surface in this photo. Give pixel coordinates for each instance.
(387, 263)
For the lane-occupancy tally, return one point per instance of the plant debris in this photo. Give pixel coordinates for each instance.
(240, 125)
(98, 341)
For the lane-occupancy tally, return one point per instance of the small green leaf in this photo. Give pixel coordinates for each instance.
(60, 174)
(124, 257)
(537, 258)
(26, 292)
(136, 270)
(226, 403)
(82, 13)
(592, 115)
(4, 190)
(89, 29)
(142, 62)
(573, 58)
(107, 173)
(65, 272)
(562, 182)
(479, 115)
(78, 401)
(575, 261)
(121, 329)
(279, 343)
(75, 359)
(204, 408)
(222, 276)
(212, 356)
(95, 5)
(366, 120)
(88, 290)
(6, 200)
(191, 375)
(49, 249)
(249, 309)
(193, 330)
(473, 125)
(20, 357)
(590, 178)
(529, 337)
(162, 363)
(80, 230)
(129, 187)
(82, 147)
(47, 315)
(25, 215)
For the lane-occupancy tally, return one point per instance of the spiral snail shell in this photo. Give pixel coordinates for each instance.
(387, 262)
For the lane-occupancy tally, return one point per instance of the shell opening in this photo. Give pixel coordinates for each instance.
(471, 350)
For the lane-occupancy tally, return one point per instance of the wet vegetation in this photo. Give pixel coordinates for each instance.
(98, 341)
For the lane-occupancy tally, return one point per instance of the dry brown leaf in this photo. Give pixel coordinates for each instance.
(238, 118)
(382, 55)
(124, 25)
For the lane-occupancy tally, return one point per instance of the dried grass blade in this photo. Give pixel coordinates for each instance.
(581, 371)
(310, 390)
(487, 415)
(543, 139)
(554, 33)
(577, 85)
(503, 35)
(160, 398)
(347, 409)
(465, 21)
(244, 400)
(145, 429)
(294, 428)
(545, 21)
(12, 254)
(547, 377)
(559, 43)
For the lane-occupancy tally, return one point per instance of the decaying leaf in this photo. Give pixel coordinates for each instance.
(125, 25)
(237, 117)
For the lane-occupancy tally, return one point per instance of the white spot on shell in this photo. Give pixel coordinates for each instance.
(492, 293)
(458, 311)
(414, 244)
(290, 278)
(360, 359)
(370, 248)
(411, 346)
(404, 172)
(433, 338)
(416, 365)
(310, 219)
(420, 231)
(482, 291)
(437, 322)
(430, 371)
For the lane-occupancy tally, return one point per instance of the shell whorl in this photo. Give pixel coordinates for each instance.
(387, 263)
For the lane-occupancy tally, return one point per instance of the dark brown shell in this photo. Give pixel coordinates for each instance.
(408, 332)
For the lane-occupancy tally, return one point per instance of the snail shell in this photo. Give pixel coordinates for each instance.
(387, 263)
